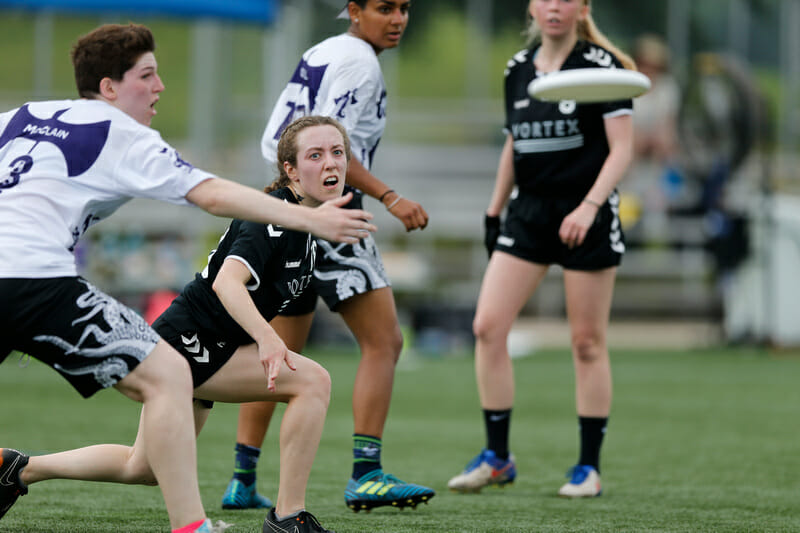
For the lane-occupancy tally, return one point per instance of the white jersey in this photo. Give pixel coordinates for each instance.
(65, 165)
(340, 78)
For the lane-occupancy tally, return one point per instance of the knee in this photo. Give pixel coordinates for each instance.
(319, 384)
(386, 348)
(485, 329)
(146, 478)
(588, 348)
(138, 471)
(394, 344)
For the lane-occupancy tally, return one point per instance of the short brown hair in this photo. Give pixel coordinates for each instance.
(287, 145)
(108, 52)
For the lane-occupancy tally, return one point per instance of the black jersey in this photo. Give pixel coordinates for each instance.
(281, 263)
(559, 147)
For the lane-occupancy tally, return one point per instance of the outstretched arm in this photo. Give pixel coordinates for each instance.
(225, 198)
(410, 213)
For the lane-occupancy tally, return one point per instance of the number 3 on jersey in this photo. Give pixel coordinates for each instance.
(19, 166)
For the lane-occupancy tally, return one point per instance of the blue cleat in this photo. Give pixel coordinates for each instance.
(241, 496)
(376, 489)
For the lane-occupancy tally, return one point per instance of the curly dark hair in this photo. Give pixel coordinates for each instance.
(108, 52)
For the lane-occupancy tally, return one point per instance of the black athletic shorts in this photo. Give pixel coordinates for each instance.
(530, 232)
(205, 353)
(341, 271)
(88, 337)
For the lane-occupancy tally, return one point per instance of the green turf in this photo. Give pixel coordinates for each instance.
(698, 441)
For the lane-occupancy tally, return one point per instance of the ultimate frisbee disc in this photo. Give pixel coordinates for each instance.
(589, 85)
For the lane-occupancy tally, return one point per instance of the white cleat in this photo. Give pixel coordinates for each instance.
(584, 483)
(484, 470)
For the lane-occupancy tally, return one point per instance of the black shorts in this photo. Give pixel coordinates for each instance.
(205, 353)
(530, 232)
(88, 337)
(341, 271)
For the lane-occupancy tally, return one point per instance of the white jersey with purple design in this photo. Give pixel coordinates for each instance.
(340, 78)
(65, 165)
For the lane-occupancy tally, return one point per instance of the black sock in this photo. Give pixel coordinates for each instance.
(592, 432)
(497, 425)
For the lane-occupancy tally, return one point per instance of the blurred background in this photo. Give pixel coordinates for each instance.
(710, 207)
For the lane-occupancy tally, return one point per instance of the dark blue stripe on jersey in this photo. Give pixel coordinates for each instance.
(80, 144)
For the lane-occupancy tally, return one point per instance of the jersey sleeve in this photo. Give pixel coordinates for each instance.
(254, 245)
(620, 107)
(151, 168)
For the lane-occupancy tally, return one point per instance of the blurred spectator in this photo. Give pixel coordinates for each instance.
(653, 183)
(656, 111)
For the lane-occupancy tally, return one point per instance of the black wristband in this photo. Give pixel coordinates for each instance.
(384, 195)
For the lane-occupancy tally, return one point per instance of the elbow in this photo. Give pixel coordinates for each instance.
(213, 205)
(216, 286)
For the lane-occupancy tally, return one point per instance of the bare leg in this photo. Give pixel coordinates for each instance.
(507, 285)
(372, 318)
(307, 392)
(254, 417)
(165, 442)
(588, 307)
(114, 463)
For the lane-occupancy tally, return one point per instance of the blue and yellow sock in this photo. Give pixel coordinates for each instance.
(366, 455)
(246, 461)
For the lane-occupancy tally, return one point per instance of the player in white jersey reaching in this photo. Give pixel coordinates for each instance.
(341, 77)
(68, 164)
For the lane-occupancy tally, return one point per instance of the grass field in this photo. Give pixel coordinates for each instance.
(698, 441)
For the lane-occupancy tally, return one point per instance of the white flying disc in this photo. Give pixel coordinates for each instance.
(589, 85)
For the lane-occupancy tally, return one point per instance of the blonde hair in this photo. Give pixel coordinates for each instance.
(287, 145)
(587, 31)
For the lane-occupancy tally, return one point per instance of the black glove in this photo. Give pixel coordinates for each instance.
(492, 232)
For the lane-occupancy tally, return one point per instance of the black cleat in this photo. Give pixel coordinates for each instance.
(11, 486)
(304, 522)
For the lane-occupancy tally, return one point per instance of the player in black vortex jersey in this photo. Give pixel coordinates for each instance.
(220, 324)
(560, 166)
